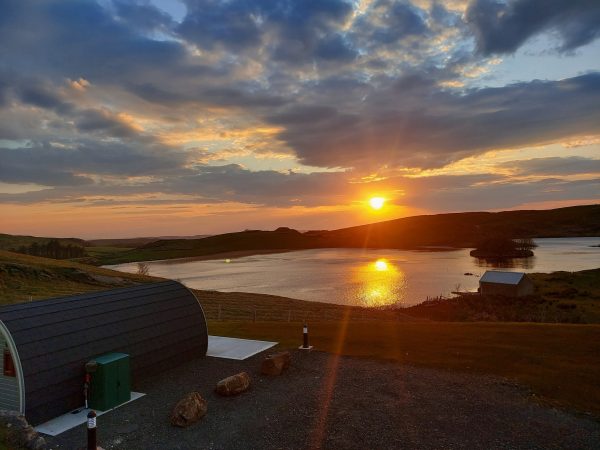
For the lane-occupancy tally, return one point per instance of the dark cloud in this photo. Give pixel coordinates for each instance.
(572, 165)
(93, 120)
(206, 184)
(12, 171)
(43, 97)
(502, 27)
(298, 115)
(227, 96)
(78, 39)
(143, 15)
(335, 48)
(507, 194)
(47, 163)
(32, 91)
(211, 23)
(292, 31)
(235, 183)
(394, 127)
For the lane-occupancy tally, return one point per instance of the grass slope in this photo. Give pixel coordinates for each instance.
(457, 230)
(24, 277)
(569, 297)
(560, 363)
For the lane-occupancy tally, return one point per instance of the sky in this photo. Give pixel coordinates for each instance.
(123, 118)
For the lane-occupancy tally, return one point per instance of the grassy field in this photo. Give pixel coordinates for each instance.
(96, 254)
(559, 363)
(24, 277)
(567, 297)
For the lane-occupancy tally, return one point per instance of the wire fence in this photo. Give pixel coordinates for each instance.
(260, 313)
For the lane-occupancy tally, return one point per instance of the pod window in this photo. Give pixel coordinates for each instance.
(9, 364)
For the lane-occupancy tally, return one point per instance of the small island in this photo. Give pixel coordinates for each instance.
(499, 247)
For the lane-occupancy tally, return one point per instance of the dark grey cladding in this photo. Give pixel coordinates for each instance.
(159, 325)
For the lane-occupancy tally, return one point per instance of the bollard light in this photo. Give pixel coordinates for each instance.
(305, 344)
(91, 430)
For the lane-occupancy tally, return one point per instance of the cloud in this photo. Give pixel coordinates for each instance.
(502, 27)
(289, 31)
(43, 97)
(143, 16)
(79, 39)
(72, 165)
(508, 194)
(393, 127)
(391, 21)
(573, 165)
(232, 183)
(93, 120)
(364, 86)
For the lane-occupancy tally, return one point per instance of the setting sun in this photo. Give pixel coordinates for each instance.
(376, 202)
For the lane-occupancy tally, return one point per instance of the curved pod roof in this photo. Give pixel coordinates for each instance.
(159, 325)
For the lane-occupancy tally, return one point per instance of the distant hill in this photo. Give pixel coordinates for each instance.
(13, 242)
(466, 229)
(440, 230)
(135, 242)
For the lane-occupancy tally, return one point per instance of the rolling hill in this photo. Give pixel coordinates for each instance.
(440, 230)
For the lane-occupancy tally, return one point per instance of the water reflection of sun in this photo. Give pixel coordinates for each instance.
(381, 283)
(381, 265)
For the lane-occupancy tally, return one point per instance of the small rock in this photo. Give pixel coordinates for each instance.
(233, 385)
(189, 410)
(37, 443)
(276, 363)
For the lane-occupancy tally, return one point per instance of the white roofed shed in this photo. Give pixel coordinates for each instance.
(513, 284)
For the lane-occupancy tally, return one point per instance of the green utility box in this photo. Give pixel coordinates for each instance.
(111, 382)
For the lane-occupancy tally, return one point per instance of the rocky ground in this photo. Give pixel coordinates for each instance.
(330, 402)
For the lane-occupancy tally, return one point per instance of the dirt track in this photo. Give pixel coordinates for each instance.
(339, 403)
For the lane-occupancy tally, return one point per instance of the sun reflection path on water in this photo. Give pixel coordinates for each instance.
(381, 283)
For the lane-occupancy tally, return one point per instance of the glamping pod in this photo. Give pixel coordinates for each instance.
(47, 343)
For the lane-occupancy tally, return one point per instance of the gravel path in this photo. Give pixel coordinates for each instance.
(330, 402)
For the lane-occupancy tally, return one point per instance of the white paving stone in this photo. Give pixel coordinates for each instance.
(63, 423)
(233, 348)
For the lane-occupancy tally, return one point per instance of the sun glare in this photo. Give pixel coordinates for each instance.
(377, 202)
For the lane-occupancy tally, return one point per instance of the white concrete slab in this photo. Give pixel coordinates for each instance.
(63, 423)
(233, 348)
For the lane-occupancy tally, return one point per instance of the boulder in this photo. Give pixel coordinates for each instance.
(276, 363)
(233, 385)
(17, 433)
(188, 410)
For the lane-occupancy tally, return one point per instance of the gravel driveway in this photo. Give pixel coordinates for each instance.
(330, 402)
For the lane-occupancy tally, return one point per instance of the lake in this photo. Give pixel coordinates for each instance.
(365, 277)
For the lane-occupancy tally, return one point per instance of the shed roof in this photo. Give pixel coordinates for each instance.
(499, 277)
(157, 324)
